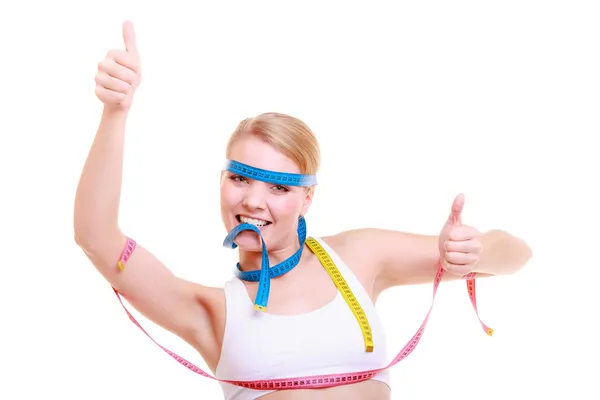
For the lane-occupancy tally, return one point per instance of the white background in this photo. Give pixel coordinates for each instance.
(412, 104)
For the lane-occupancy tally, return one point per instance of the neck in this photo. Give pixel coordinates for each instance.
(252, 260)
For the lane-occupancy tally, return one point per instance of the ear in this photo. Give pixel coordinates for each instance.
(308, 199)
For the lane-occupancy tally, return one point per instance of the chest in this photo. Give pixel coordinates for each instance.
(324, 340)
(300, 292)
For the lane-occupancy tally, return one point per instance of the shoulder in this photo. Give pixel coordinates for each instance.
(348, 244)
(388, 257)
(352, 247)
(357, 244)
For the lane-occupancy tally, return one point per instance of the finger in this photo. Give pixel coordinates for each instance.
(460, 258)
(116, 70)
(129, 37)
(458, 204)
(125, 59)
(463, 232)
(468, 246)
(457, 269)
(109, 96)
(112, 83)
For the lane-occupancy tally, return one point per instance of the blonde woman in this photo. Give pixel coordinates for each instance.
(260, 325)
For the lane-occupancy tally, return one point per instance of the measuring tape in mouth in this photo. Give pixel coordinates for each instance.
(266, 273)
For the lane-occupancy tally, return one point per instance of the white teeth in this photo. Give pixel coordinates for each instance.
(252, 221)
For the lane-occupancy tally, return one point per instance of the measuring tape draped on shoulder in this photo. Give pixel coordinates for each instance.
(266, 273)
(345, 290)
(319, 381)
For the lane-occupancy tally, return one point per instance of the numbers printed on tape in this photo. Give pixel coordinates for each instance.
(278, 178)
(127, 251)
(266, 273)
(319, 381)
(471, 291)
(345, 290)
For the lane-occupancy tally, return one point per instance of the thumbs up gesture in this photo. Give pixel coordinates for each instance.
(119, 74)
(459, 244)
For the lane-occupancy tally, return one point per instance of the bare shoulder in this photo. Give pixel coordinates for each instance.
(386, 258)
(354, 244)
(352, 247)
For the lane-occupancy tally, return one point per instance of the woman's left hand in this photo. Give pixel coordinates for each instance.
(460, 245)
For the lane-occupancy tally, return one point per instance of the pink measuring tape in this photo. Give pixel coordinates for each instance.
(315, 381)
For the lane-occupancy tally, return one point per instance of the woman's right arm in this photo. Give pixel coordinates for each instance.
(182, 307)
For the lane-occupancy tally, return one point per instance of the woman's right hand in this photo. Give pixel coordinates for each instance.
(119, 74)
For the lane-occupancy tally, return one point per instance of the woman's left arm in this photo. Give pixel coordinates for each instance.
(402, 258)
(502, 253)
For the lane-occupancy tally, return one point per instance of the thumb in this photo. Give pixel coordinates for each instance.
(455, 217)
(129, 37)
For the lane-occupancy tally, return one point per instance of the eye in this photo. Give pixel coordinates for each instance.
(280, 188)
(237, 178)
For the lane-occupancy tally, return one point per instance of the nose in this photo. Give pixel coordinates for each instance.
(255, 196)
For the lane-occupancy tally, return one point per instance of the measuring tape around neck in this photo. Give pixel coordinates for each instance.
(266, 273)
(316, 381)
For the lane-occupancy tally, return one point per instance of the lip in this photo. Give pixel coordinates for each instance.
(238, 219)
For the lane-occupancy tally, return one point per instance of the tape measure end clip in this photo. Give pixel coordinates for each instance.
(260, 308)
(121, 265)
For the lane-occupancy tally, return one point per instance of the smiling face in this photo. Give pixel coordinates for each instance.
(273, 208)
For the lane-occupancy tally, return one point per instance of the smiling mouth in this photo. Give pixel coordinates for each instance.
(259, 223)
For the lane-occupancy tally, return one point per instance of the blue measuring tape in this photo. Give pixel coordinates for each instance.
(278, 178)
(266, 273)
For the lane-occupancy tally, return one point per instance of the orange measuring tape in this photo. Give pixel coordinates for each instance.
(329, 380)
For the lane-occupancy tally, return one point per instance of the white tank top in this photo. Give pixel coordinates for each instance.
(259, 345)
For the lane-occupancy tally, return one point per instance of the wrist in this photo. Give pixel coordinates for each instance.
(115, 112)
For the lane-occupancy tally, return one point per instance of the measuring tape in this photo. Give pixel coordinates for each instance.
(345, 290)
(266, 273)
(275, 177)
(317, 381)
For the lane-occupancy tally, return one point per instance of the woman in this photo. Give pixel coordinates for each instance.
(277, 337)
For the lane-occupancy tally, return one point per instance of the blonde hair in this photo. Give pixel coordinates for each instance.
(287, 134)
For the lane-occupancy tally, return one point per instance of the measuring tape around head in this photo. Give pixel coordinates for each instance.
(266, 273)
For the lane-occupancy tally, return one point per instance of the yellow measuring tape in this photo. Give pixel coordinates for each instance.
(345, 290)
